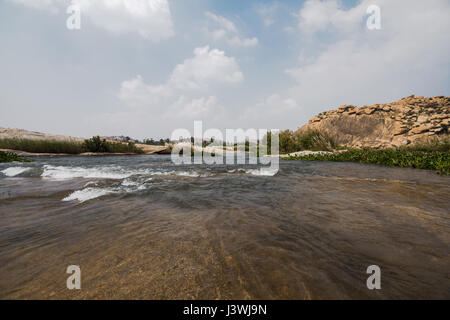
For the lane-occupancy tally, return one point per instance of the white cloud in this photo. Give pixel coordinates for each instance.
(150, 18)
(49, 5)
(222, 22)
(136, 93)
(247, 42)
(271, 112)
(226, 29)
(207, 66)
(409, 55)
(321, 15)
(194, 108)
(267, 11)
(179, 96)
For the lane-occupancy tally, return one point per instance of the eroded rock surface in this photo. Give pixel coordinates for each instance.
(385, 125)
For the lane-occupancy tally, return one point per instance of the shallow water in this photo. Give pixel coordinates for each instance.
(142, 228)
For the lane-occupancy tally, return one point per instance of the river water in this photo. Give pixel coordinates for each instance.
(142, 228)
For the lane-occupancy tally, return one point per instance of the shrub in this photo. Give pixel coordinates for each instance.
(431, 160)
(41, 146)
(311, 140)
(98, 145)
(441, 143)
(315, 141)
(95, 144)
(10, 157)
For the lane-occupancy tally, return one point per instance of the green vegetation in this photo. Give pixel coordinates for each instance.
(98, 145)
(10, 157)
(292, 142)
(431, 155)
(311, 140)
(41, 146)
(95, 145)
(435, 144)
(152, 142)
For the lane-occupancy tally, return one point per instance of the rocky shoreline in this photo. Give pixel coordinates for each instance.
(85, 154)
(389, 125)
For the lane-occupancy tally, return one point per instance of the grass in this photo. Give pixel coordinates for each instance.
(311, 140)
(11, 157)
(434, 144)
(431, 155)
(316, 141)
(94, 145)
(98, 145)
(41, 146)
(290, 142)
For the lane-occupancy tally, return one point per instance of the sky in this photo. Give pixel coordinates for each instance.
(143, 68)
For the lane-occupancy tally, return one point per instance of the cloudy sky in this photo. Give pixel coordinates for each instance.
(146, 67)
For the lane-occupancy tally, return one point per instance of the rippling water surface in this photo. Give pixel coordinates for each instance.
(143, 228)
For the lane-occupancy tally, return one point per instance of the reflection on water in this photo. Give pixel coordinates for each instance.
(142, 228)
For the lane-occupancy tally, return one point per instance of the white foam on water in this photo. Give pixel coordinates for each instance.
(87, 194)
(14, 171)
(91, 192)
(267, 172)
(64, 173)
(90, 183)
(116, 173)
(129, 183)
(187, 174)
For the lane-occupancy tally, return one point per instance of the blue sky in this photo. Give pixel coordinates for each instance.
(146, 67)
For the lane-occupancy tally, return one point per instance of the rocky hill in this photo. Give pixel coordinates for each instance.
(385, 125)
(7, 133)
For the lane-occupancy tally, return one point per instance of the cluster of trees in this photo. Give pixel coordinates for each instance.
(99, 145)
(152, 142)
(289, 142)
(311, 140)
(11, 157)
(293, 141)
(162, 142)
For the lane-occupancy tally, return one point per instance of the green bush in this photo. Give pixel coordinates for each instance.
(98, 145)
(10, 157)
(431, 160)
(315, 141)
(41, 146)
(441, 143)
(95, 145)
(311, 140)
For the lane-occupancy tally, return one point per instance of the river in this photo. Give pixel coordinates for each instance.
(140, 227)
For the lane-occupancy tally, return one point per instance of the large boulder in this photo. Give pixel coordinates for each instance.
(385, 125)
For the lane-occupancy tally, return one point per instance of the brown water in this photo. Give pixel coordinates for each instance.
(142, 228)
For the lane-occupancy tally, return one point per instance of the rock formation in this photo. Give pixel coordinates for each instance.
(385, 125)
(7, 133)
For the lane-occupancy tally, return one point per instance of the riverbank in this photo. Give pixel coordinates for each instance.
(89, 147)
(6, 156)
(429, 160)
(137, 225)
(84, 154)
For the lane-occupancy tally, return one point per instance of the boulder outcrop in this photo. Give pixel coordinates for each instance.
(385, 125)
